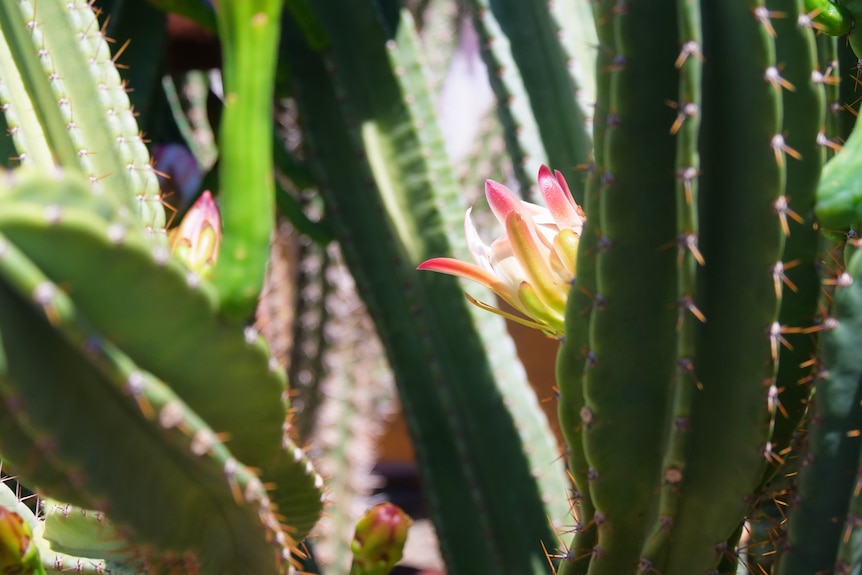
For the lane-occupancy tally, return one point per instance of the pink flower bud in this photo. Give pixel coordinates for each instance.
(196, 240)
(379, 540)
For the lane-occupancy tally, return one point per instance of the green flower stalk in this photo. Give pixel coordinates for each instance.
(532, 265)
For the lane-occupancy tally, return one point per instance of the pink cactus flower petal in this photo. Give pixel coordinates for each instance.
(558, 200)
(465, 270)
(501, 200)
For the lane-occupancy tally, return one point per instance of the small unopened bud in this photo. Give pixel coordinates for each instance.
(196, 240)
(18, 554)
(378, 542)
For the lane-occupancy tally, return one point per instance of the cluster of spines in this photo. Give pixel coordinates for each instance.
(120, 116)
(795, 276)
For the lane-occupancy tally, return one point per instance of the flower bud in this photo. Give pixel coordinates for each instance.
(379, 540)
(17, 552)
(196, 240)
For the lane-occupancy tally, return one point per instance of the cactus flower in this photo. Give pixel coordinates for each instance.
(196, 240)
(532, 265)
(378, 542)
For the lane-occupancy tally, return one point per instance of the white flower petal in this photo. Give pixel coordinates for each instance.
(478, 249)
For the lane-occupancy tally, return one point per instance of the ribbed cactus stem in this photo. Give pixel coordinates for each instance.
(804, 128)
(828, 480)
(633, 335)
(741, 239)
(574, 357)
(686, 129)
(80, 102)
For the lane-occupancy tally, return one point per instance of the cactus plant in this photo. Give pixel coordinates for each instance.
(706, 330)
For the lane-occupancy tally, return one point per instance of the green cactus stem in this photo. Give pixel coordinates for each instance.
(117, 251)
(574, 355)
(249, 31)
(71, 106)
(686, 129)
(523, 46)
(804, 120)
(743, 165)
(829, 470)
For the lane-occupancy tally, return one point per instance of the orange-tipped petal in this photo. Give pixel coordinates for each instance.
(465, 270)
(559, 201)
